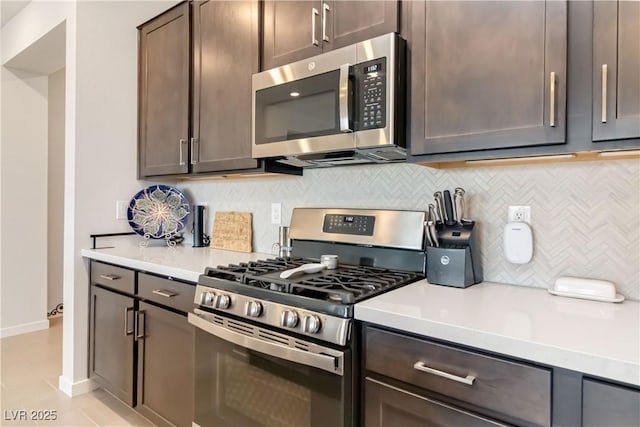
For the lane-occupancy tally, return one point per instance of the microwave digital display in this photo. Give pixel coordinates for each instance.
(373, 68)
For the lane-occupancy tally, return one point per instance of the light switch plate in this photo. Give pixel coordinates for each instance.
(121, 209)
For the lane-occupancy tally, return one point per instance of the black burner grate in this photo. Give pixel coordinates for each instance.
(345, 285)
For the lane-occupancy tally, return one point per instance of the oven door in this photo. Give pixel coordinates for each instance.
(249, 376)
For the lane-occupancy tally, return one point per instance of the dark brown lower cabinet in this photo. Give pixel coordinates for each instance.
(111, 342)
(610, 405)
(141, 345)
(389, 406)
(165, 365)
(417, 381)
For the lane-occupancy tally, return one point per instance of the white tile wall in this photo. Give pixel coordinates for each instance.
(585, 215)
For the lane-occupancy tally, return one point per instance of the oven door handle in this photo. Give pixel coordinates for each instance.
(326, 362)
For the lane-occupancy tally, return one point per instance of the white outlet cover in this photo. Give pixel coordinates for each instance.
(519, 214)
(518, 242)
(276, 213)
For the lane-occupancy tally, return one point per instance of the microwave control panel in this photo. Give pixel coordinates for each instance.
(372, 90)
(361, 225)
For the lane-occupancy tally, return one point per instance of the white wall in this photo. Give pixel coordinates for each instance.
(55, 186)
(100, 137)
(24, 202)
(105, 149)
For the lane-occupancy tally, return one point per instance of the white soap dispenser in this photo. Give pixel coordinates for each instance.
(518, 242)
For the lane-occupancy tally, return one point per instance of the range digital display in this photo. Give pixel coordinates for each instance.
(348, 219)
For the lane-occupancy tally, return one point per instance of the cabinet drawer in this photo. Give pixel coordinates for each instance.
(171, 293)
(520, 392)
(609, 405)
(388, 406)
(113, 277)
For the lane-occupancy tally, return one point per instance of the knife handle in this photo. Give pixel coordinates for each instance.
(448, 208)
(437, 196)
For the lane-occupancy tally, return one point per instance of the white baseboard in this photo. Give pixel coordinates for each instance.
(24, 328)
(72, 389)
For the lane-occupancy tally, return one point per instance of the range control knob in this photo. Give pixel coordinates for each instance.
(206, 298)
(289, 319)
(252, 309)
(222, 301)
(311, 324)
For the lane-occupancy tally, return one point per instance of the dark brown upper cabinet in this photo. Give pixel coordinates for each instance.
(163, 93)
(225, 55)
(616, 70)
(487, 75)
(196, 62)
(294, 30)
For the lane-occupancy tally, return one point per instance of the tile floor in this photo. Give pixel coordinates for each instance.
(31, 364)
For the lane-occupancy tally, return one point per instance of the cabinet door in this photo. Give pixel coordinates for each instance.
(111, 352)
(350, 22)
(616, 70)
(388, 406)
(225, 37)
(609, 405)
(163, 122)
(291, 30)
(165, 366)
(482, 75)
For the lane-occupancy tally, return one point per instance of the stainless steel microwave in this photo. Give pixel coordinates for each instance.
(345, 106)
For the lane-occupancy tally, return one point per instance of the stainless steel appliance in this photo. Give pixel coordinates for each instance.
(276, 351)
(344, 106)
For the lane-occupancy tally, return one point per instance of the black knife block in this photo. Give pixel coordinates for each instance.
(457, 261)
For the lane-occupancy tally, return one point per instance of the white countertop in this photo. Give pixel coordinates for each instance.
(597, 338)
(180, 262)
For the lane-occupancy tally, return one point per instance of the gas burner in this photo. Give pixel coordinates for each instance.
(345, 285)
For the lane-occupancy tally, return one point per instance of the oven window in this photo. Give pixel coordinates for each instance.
(264, 398)
(299, 109)
(240, 387)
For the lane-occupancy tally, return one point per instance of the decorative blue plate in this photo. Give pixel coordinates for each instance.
(158, 212)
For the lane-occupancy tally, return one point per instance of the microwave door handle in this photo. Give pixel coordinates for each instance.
(344, 98)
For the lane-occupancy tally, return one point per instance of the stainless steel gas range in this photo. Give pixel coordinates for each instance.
(275, 339)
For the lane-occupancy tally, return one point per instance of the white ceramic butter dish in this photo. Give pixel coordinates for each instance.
(592, 289)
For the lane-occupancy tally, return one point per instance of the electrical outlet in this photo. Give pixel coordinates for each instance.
(121, 209)
(520, 214)
(276, 213)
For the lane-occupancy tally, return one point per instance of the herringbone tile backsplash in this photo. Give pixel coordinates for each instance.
(585, 216)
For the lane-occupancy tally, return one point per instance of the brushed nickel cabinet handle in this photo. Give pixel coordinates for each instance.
(552, 99)
(164, 293)
(325, 9)
(139, 335)
(182, 142)
(126, 321)
(420, 366)
(604, 93)
(314, 13)
(110, 277)
(194, 152)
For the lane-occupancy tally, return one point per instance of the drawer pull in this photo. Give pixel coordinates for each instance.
(164, 293)
(109, 276)
(420, 366)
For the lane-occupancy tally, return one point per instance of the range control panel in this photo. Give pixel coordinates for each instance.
(372, 93)
(361, 225)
